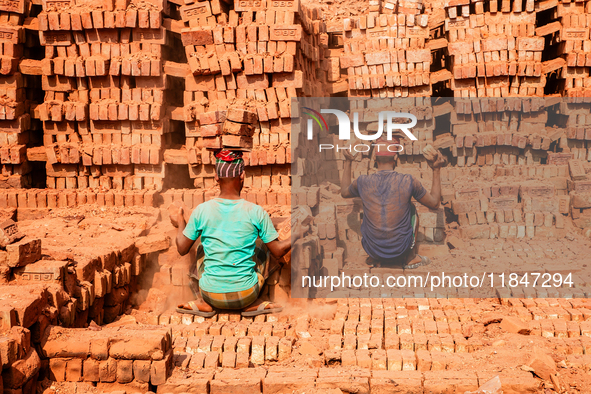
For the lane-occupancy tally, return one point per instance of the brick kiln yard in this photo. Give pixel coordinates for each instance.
(96, 142)
(117, 268)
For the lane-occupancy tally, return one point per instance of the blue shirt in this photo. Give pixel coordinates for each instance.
(386, 230)
(229, 230)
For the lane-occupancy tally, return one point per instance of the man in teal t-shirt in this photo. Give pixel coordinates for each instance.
(236, 238)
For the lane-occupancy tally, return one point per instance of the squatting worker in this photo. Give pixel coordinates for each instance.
(233, 253)
(390, 220)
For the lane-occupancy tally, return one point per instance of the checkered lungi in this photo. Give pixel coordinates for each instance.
(235, 299)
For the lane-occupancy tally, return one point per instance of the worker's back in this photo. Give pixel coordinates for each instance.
(229, 230)
(386, 195)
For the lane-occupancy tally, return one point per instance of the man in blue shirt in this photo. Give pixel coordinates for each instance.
(236, 238)
(390, 221)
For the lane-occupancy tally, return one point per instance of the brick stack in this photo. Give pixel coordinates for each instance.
(580, 193)
(493, 48)
(96, 287)
(44, 198)
(104, 119)
(229, 341)
(499, 131)
(515, 142)
(321, 49)
(17, 251)
(385, 55)
(574, 45)
(337, 80)
(15, 121)
(92, 284)
(256, 190)
(234, 344)
(319, 71)
(510, 210)
(240, 58)
(132, 357)
(576, 119)
(19, 361)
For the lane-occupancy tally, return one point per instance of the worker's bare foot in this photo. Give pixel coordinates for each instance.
(201, 305)
(416, 262)
(261, 307)
(197, 307)
(370, 261)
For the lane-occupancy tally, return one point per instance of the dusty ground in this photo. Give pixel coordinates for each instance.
(467, 339)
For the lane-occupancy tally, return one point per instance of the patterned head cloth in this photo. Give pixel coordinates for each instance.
(229, 164)
(383, 150)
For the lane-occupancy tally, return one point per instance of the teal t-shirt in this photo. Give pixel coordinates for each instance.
(229, 230)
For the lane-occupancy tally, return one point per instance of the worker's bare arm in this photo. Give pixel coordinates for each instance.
(430, 201)
(346, 181)
(183, 244)
(433, 199)
(280, 248)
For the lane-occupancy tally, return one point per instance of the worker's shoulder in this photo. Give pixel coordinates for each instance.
(252, 207)
(403, 175)
(205, 206)
(381, 175)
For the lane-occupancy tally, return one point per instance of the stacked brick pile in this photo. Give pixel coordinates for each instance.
(336, 77)
(73, 289)
(245, 60)
(524, 142)
(511, 210)
(576, 122)
(17, 250)
(512, 137)
(88, 287)
(104, 118)
(47, 198)
(499, 131)
(580, 194)
(22, 311)
(19, 361)
(15, 120)
(321, 71)
(193, 197)
(493, 48)
(574, 45)
(132, 357)
(385, 55)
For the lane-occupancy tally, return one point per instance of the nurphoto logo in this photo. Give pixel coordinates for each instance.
(391, 118)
